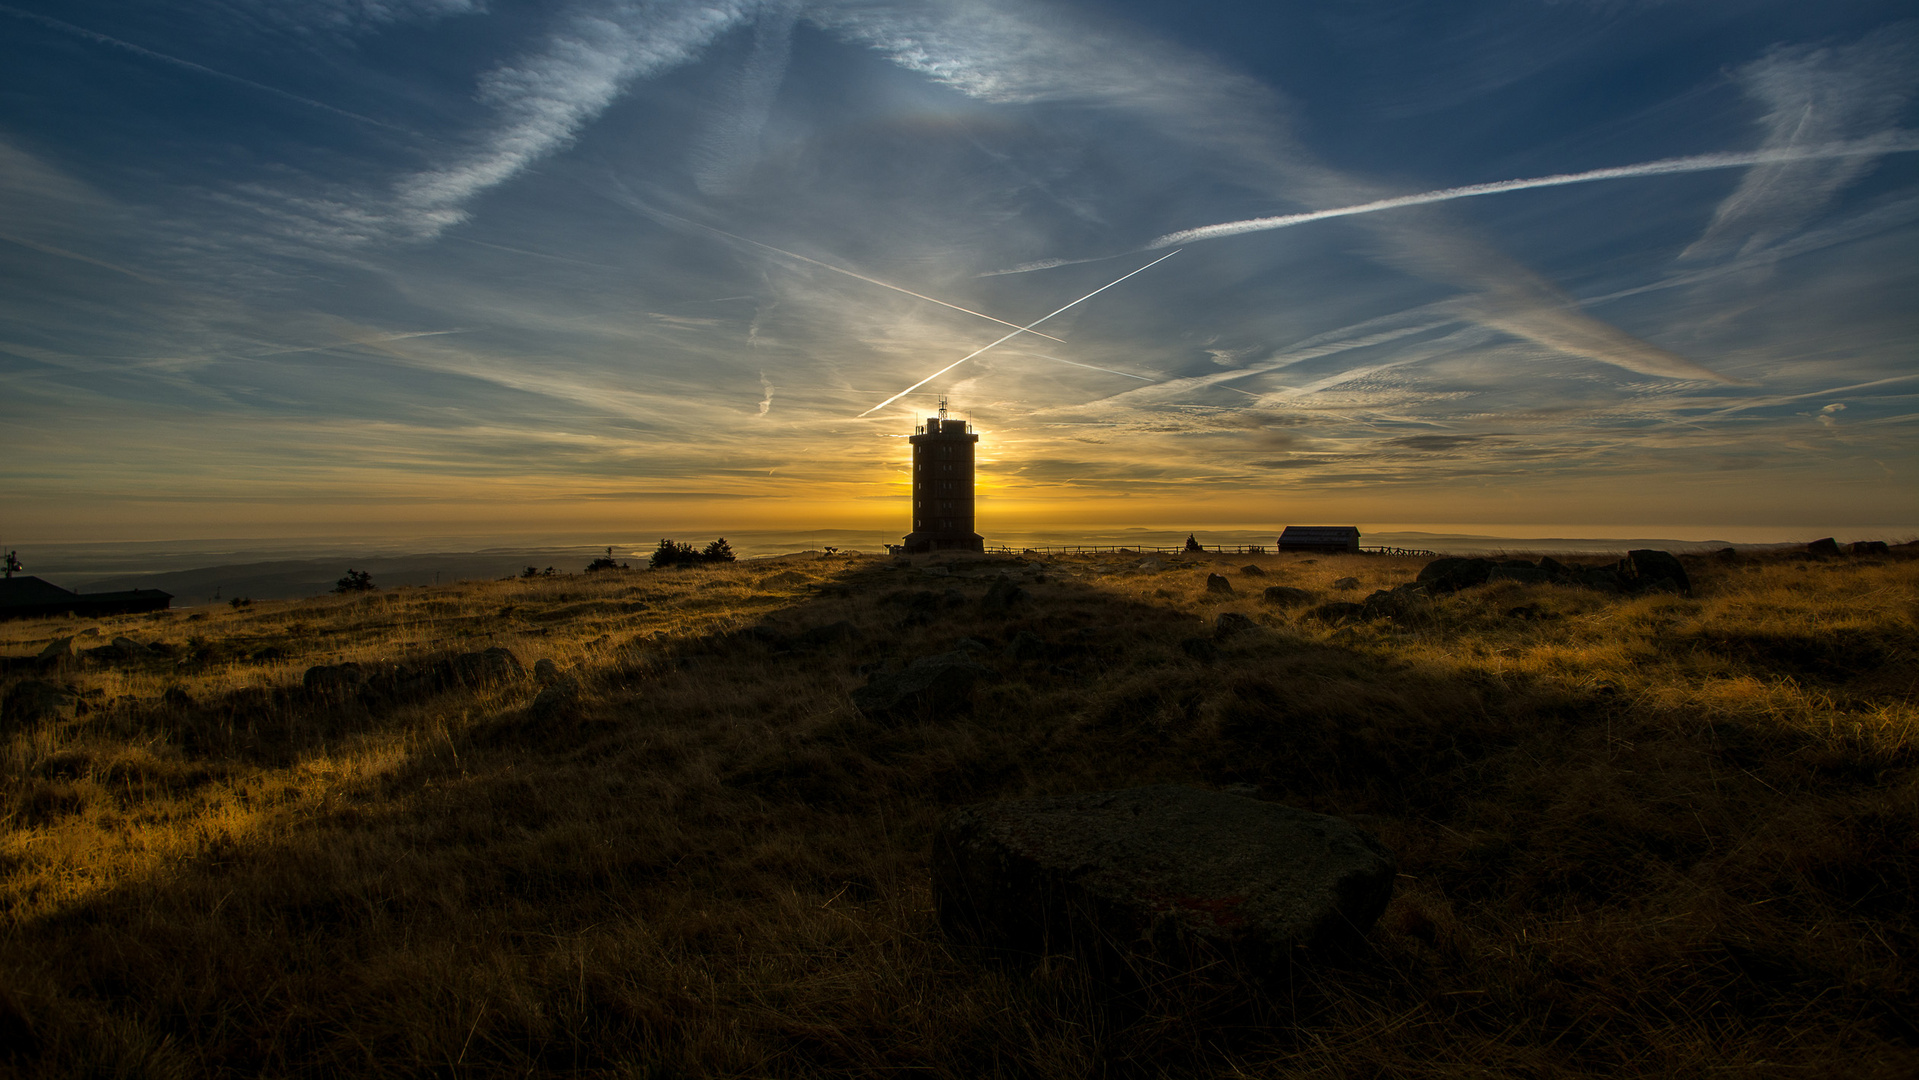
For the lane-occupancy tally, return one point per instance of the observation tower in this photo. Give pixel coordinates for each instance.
(943, 486)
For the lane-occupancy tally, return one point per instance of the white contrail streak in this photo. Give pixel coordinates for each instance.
(1089, 367)
(1893, 143)
(1021, 330)
(841, 270)
(102, 39)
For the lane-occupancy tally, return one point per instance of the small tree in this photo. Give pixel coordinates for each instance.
(355, 581)
(530, 572)
(604, 562)
(1192, 543)
(672, 554)
(717, 551)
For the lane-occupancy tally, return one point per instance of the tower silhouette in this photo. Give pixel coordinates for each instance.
(943, 486)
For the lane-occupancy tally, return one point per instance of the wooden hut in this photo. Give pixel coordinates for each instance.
(1331, 539)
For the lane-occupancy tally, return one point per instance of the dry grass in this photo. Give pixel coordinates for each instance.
(1649, 835)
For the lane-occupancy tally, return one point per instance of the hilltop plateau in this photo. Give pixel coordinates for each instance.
(664, 823)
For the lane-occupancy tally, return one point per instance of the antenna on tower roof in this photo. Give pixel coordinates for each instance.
(942, 406)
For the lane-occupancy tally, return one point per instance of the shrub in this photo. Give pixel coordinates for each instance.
(717, 551)
(605, 562)
(355, 581)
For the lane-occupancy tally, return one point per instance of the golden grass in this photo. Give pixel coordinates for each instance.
(1644, 835)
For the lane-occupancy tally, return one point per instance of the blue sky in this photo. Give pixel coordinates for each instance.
(278, 267)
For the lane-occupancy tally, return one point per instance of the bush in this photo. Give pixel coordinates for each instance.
(355, 581)
(674, 554)
(717, 551)
(605, 562)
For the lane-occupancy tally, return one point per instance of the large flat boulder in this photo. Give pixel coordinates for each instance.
(1178, 874)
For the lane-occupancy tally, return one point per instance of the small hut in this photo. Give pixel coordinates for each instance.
(30, 597)
(1331, 539)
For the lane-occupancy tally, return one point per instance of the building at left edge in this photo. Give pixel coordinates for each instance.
(30, 597)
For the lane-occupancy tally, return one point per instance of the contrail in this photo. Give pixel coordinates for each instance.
(1893, 143)
(102, 39)
(843, 270)
(1021, 330)
(1089, 367)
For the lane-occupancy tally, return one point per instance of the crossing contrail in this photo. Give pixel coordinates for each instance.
(1900, 142)
(843, 270)
(1024, 329)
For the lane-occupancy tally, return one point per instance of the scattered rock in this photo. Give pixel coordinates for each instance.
(1528, 575)
(784, 579)
(558, 699)
(1401, 604)
(1231, 624)
(32, 701)
(1452, 574)
(1150, 564)
(176, 697)
(545, 671)
(1286, 596)
(1871, 547)
(941, 683)
(1346, 583)
(1217, 583)
(1181, 875)
(1338, 613)
(1525, 611)
(1650, 570)
(61, 649)
(333, 678)
(1251, 570)
(491, 666)
(1827, 548)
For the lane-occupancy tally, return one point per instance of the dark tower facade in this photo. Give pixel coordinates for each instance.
(943, 486)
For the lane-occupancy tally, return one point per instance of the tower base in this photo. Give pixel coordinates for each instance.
(919, 542)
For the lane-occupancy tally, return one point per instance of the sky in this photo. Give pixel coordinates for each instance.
(371, 267)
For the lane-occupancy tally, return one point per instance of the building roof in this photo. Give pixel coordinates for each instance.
(1319, 534)
(26, 591)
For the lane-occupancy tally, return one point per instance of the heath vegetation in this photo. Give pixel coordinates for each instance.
(1652, 834)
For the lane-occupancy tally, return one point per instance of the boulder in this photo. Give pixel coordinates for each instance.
(1528, 575)
(1217, 583)
(1346, 583)
(1647, 570)
(60, 649)
(784, 579)
(1338, 613)
(1173, 876)
(557, 700)
(1231, 624)
(1150, 564)
(32, 701)
(1870, 547)
(1452, 574)
(1250, 570)
(1827, 548)
(545, 671)
(1401, 603)
(1286, 596)
(490, 666)
(930, 684)
(176, 697)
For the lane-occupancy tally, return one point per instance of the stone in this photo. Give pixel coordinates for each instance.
(784, 579)
(1401, 603)
(1827, 548)
(176, 697)
(333, 678)
(1346, 583)
(1526, 575)
(545, 671)
(557, 700)
(1231, 624)
(1251, 570)
(32, 701)
(1871, 547)
(1649, 570)
(1150, 564)
(1217, 583)
(1338, 613)
(493, 665)
(940, 683)
(60, 649)
(1286, 596)
(1175, 876)
(1452, 574)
